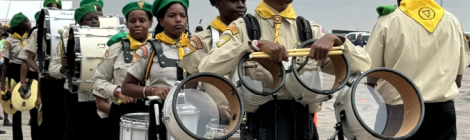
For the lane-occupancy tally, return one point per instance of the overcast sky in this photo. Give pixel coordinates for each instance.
(331, 14)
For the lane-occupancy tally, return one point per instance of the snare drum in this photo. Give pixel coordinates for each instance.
(111, 21)
(90, 45)
(49, 22)
(181, 115)
(134, 126)
(258, 79)
(212, 129)
(310, 81)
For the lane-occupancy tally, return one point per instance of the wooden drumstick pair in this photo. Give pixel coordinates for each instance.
(298, 52)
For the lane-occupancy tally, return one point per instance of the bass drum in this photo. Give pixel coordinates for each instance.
(188, 107)
(49, 22)
(85, 49)
(379, 104)
(258, 79)
(111, 21)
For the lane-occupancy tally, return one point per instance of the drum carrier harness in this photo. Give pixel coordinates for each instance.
(163, 62)
(254, 33)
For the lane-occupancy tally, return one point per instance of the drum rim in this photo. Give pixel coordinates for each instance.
(362, 123)
(213, 75)
(250, 89)
(316, 91)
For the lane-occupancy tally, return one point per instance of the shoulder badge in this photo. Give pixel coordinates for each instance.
(6, 43)
(198, 42)
(222, 40)
(101, 61)
(136, 58)
(189, 49)
(385, 10)
(233, 29)
(145, 51)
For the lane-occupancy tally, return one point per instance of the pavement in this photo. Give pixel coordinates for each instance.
(326, 118)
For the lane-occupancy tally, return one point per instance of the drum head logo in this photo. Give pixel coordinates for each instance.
(141, 4)
(427, 13)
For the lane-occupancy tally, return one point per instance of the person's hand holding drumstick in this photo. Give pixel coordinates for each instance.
(319, 50)
(277, 53)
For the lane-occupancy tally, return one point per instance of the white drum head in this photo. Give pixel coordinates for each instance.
(259, 76)
(391, 108)
(208, 99)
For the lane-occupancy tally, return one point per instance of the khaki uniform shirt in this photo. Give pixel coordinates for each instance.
(11, 50)
(225, 59)
(203, 42)
(190, 62)
(31, 47)
(431, 60)
(111, 72)
(159, 77)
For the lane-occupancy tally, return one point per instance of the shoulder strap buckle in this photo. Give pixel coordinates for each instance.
(126, 48)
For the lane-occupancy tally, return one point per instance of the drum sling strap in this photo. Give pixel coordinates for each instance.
(254, 33)
(160, 130)
(126, 49)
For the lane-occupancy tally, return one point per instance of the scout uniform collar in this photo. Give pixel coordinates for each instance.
(426, 12)
(218, 25)
(266, 12)
(21, 38)
(181, 44)
(134, 44)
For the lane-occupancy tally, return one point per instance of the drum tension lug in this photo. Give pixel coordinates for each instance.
(338, 132)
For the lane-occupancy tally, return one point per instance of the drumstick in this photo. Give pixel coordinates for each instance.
(61, 32)
(264, 55)
(302, 50)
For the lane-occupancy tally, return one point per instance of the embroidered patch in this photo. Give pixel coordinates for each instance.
(233, 29)
(141, 4)
(188, 50)
(7, 43)
(101, 61)
(427, 13)
(106, 54)
(136, 58)
(145, 51)
(56, 0)
(222, 40)
(197, 41)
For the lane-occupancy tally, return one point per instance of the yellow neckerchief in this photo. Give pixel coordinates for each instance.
(136, 44)
(426, 12)
(183, 42)
(218, 25)
(21, 38)
(265, 12)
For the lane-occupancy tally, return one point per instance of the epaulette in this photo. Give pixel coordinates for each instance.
(385, 10)
(116, 38)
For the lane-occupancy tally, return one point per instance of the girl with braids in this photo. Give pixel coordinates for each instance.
(20, 26)
(113, 67)
(172, 20)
